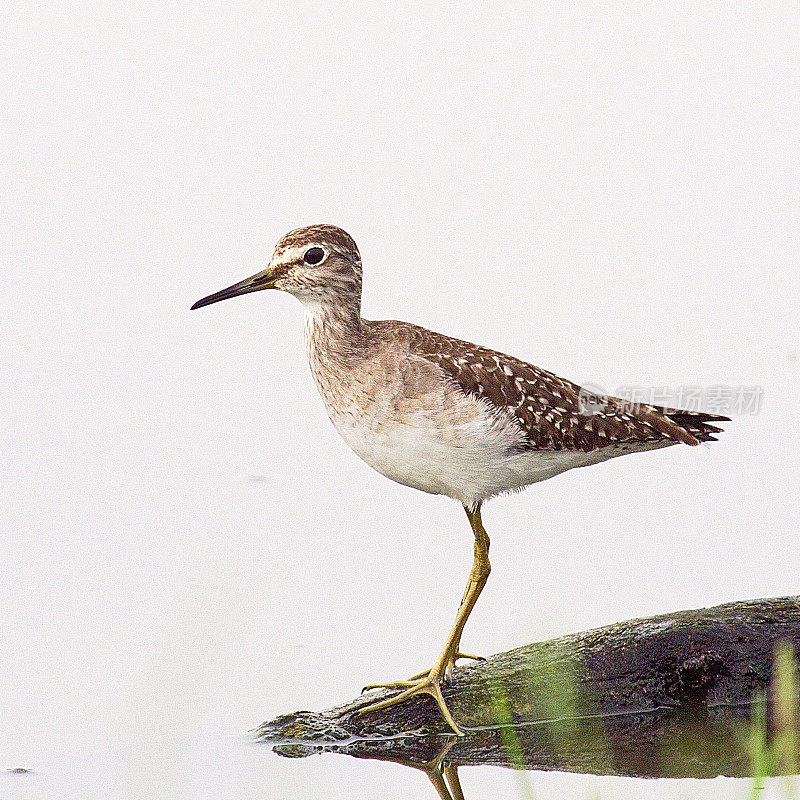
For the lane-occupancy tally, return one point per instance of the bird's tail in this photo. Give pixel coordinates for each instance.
(695, 423)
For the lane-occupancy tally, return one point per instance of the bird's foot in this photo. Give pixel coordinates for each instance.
(450, 664)
(427, 683)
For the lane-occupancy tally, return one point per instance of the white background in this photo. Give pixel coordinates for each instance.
(610, 191)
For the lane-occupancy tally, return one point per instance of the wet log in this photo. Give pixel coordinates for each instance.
(667, 696)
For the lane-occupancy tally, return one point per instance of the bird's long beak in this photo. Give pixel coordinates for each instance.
(255, 283)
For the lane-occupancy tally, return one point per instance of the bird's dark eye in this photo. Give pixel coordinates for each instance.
(314, 255)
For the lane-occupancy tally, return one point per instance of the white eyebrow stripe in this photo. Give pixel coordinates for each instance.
(294, 254)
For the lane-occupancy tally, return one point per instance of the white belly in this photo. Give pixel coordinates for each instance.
(469, 462)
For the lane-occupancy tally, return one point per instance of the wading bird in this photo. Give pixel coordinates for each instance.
(443, 415)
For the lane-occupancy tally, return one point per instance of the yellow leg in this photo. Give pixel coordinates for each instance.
(450, 772)
(428, 682)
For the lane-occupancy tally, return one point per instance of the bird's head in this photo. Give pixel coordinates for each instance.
(319, 263)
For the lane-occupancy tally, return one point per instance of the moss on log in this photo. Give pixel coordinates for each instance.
(667, 696)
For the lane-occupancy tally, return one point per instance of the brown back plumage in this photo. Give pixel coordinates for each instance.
(554, 413)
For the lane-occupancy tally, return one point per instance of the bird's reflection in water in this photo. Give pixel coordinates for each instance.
(701, 742)
(442, 773)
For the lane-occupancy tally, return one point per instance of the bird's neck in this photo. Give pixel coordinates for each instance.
(335, 334)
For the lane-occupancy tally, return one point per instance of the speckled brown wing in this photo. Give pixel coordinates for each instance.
(554, 413)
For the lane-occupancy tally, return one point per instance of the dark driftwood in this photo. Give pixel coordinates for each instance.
(667, 696)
